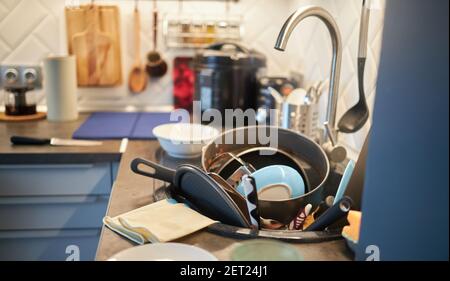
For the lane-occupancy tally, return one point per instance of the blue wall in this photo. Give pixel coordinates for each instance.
(405, 202)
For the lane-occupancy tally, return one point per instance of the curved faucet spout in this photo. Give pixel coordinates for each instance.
(325, 16)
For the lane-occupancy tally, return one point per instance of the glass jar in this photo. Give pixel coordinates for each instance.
(19, 102)
(210, 32)
(185, 31)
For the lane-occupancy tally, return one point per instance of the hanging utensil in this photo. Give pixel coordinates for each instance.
(92, 49)
(156, 66)
(356, 117)
(138, 79)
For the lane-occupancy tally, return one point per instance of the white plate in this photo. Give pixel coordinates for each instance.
(164, 252)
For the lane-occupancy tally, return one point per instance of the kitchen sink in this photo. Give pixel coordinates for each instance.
(163, 191)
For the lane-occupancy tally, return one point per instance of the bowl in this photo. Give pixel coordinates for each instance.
(184, 140)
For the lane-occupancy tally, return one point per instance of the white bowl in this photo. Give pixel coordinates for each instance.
(184, 140)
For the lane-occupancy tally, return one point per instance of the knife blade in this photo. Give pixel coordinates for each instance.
(18, 140)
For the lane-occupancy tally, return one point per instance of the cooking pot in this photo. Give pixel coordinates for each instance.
(310, 155)
(226, 77)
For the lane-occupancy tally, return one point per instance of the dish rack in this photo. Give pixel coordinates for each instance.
(198, 32)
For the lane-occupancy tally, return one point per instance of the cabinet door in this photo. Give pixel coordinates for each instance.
(52, 212)
(45, 245)
(38, 180)
(46, 208)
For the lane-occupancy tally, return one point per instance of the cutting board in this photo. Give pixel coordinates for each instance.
(119, 125)
(93, 36)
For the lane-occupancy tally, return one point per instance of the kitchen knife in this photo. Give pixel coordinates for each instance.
(17, 140)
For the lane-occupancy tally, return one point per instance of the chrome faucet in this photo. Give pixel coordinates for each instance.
(335, 152)
(283, 38)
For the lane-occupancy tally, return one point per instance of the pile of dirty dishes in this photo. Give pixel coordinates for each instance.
(279, 199)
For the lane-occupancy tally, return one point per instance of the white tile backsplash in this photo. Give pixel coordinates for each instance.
(32, 29)
(312, 55)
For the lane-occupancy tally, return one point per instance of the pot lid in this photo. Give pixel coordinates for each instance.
(229, 54)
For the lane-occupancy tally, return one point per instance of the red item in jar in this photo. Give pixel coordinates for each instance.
(183, 83)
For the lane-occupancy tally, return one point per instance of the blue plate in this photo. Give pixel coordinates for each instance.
(278, 176)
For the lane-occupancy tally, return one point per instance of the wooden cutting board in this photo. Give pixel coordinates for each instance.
(93, 36)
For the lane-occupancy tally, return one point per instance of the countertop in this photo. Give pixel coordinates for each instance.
(9, 154)
(130, 191)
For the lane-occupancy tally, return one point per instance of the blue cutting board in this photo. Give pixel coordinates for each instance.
(119, 125)
(146, 122)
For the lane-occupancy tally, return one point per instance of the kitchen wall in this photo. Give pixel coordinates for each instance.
(311, 48)
(31, 30)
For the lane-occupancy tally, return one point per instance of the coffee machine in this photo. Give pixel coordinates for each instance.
(17, 83)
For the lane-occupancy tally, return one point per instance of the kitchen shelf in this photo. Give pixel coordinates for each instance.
(99, 1)
(195, 31)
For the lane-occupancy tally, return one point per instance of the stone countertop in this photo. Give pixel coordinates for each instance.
(46, 154)
(130, 191)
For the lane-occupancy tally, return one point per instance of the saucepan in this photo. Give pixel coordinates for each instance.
(313, 163)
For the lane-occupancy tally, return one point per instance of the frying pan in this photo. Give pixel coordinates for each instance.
(199, 190)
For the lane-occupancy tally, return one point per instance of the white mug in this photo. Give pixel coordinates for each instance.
(60, 86)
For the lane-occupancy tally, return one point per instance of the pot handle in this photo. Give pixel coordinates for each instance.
(219, 46)
(160, 172)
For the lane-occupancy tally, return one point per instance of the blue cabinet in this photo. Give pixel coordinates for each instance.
(48, 245)
(47, 210)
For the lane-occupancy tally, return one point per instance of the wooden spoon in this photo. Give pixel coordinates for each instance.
(138, 79)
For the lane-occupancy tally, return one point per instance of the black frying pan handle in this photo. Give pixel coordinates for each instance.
(160, 173)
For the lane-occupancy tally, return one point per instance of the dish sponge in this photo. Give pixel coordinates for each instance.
(351, 232)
